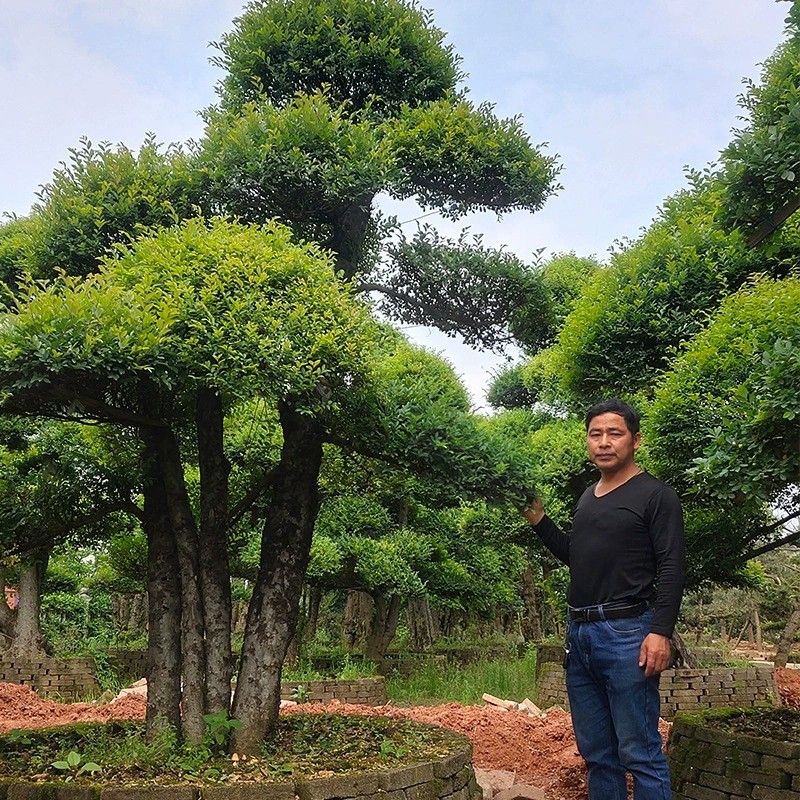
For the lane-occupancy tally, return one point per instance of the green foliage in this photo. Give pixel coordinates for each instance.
(122, 566)
(15, 248)
(305, 163)
(232, 307)
(75, 764)
(565, 277)
(372, 54)
(430, 684)
(488, 296)
(56, 484)
(732, 397)
(508, 389)
(457, 157)
(761, 166)
(102, 196)
(622, 332)
(78, 624)
(218, 728)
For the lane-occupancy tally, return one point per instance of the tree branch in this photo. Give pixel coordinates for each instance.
(773, 222)
(448, 319)
(255, 491)
(788, 539)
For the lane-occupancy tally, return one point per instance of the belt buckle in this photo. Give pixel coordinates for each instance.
(580, 615)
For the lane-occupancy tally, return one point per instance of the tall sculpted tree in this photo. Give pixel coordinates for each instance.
(175, 326)
(326, 105)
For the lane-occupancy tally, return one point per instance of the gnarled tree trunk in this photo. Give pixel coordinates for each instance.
(531, 621)
(215, 579)
(8, 616)
(163, 602)
(385, 616)
(787, 638)
(29, 641)
(188, 550)
(421, 625)
(285, 550)
(357, 616)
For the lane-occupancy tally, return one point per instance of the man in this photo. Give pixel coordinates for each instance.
(626, 558)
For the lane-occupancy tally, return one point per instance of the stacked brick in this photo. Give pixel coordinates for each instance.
(59, 679)
(363, 691)
(712, 764)
(129, 665)
(682, 689)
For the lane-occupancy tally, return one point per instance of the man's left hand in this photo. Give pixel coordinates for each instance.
(655, 654)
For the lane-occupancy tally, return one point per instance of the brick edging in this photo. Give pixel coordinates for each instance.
(723, 765)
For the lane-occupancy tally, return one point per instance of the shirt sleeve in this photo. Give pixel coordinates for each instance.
(553, 538)
(667, 536)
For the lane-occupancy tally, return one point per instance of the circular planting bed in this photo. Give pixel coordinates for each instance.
(736, 753)
(312, 757)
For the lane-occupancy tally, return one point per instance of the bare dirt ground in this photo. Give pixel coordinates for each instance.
(541, 751)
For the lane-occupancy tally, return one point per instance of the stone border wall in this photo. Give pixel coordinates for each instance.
(681, 689)
(712, 764)
(75, 679)
(62, 679)
(450, 778)
(363, 691)
(129, 665)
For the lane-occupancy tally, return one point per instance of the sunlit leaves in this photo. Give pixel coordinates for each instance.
(235, 308)
(457, 157)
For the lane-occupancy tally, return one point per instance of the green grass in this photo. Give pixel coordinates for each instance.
(303, 745)
(433, 684)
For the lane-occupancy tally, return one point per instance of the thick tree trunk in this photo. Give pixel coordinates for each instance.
(163, 603)
(787, 638)
(357, 616)
(29, 641)
(421, 626)
(188, 548)
(8, 616)
(385, 616)
(682, 655)
(531, 621)
(348, 233)
(285, 550)
(214, 568)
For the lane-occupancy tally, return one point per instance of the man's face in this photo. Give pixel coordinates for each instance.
(610, 444)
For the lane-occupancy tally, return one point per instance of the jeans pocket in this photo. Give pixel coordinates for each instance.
(626, 625)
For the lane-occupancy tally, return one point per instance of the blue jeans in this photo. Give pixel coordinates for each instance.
(615, 709)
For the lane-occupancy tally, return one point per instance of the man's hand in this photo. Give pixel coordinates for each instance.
(534, 511)
(655, 654)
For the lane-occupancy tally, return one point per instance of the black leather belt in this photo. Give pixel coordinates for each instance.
(595, 613)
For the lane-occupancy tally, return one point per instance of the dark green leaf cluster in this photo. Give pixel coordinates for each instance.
(379, 54)
(732, 396)
(488, 296)
(655, 294)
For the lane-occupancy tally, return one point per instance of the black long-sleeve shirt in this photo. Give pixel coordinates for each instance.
(623, 544)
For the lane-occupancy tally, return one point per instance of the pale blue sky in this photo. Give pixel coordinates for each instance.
(627, 93)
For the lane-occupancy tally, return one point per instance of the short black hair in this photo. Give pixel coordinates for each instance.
(615, 406)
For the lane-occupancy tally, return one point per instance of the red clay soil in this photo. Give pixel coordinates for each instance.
(541, 751)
